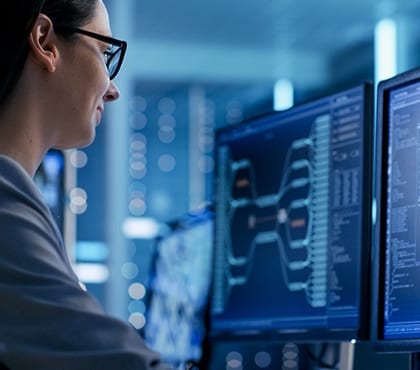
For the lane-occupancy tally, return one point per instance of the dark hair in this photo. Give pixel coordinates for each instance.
(19, 18)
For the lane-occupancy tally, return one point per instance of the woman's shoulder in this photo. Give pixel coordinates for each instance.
(13, 175)
(22, 206)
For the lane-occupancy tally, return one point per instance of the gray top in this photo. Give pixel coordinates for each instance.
(47, 321)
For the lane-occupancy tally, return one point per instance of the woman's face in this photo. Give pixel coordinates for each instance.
(84, 84)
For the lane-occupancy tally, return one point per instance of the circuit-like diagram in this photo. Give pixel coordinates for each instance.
(295, 218)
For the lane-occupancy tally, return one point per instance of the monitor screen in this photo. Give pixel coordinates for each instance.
(292, 211)
(179, 285)
(50, 180)
(396, 257)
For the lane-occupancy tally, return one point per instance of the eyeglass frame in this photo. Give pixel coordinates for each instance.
(109, 40)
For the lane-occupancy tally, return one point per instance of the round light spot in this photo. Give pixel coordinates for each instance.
(290, 364)
(138, 137)
(234, 361)
(167, 120)
(78, 158)
(137, 306)
(167, 106)
(136, 291)
(138, 103)
(262, 359)
(137, 165)
(290, 351)
(137, 168)
(78, 195)
(78, 200)
(290, 357)
(166, 135)
(166, 163)
(138, 121)
(78, 209)
(129, 270)
(137, 320)
(138, 146)
(139, 157)
(138, 174)
(137, 206)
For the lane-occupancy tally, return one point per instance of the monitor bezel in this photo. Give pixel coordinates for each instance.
(384, 89)
(362, 332)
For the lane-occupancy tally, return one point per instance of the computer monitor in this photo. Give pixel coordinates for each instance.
(50, 179)
(179, 288)
(292, 223)
(396, 253)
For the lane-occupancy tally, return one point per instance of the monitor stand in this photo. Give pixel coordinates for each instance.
(346, 356)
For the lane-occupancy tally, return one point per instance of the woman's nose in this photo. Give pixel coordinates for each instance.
(112, 93)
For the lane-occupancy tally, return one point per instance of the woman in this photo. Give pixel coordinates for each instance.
(55, 77)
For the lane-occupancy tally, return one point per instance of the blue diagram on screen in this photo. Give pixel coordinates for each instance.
(288, 218)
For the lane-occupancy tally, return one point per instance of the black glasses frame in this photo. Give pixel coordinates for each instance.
(122, 47)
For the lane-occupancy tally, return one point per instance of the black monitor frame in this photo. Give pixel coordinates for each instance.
(382, 344)
(319, 334)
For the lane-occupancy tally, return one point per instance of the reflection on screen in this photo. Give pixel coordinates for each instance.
(289, 218)
(50, 180)
(175, 318)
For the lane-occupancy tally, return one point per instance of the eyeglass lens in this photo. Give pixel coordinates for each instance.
(113, 61)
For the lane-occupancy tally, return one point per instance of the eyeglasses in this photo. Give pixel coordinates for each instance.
(114, 56)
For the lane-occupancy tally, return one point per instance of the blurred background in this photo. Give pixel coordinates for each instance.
(192, 67)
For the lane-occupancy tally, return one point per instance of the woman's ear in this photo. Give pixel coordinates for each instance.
(43, 42)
